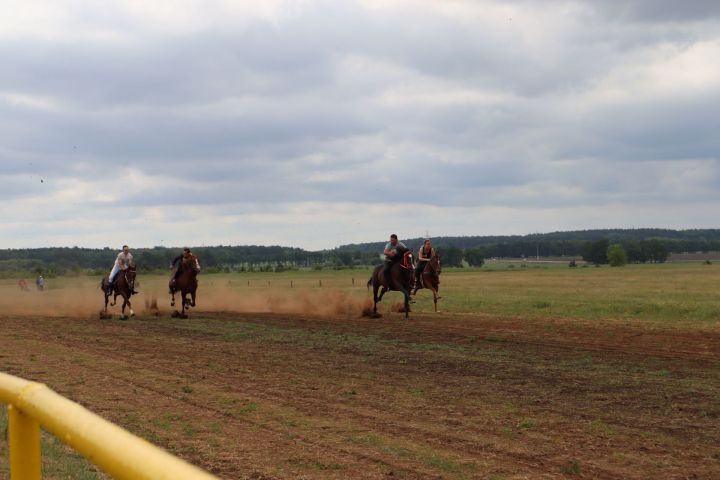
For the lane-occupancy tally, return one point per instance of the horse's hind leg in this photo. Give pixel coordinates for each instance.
(382, 292)
(106, 304)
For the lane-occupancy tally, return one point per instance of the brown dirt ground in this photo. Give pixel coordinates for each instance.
(269, 395)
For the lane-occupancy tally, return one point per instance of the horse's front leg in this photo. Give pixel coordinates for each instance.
(172, 300)
(406, 293)
(185, 303)
(375, 298)
(114, 301)
(192, 297)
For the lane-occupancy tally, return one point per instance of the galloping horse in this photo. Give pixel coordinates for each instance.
(430, 278)
(186, 283)
(124, 286)
(401, 278)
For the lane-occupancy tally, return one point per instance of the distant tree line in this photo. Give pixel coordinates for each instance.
(639, 245)
(630, 251)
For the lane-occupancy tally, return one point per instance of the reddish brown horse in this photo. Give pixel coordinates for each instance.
(430, 278)
(186, 283)
(124, 286)
(402, 277)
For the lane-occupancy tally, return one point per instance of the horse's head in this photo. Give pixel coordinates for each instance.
(130, 274)
(406, 255)
(435, 263)
(191, 262)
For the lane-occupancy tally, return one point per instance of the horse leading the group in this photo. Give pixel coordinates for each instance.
(402, 277)
(124, 286)
(186, 283)
(430, 278)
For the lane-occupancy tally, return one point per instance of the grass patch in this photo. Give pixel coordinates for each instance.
(58, 460)
(571, 467)
(327, 466)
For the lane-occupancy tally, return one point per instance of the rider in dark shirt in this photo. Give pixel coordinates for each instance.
(425, 253)
(184, 255)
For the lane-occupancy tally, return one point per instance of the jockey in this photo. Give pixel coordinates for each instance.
(425, 253)
(390, 254)
(122, 262)
(183, 256)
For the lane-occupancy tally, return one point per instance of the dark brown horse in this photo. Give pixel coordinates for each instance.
(124, 286)
(430, 278)
(402, 277)
(186, 283)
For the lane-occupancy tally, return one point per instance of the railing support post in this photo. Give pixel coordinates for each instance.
(24, 445)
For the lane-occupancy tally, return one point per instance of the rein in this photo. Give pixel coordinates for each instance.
(407, 261)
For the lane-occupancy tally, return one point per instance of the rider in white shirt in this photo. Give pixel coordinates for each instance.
(122, 262)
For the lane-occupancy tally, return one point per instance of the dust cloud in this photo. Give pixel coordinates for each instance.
(86, 299)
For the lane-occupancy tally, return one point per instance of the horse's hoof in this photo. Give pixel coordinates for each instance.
(175, 314)
(123, 317)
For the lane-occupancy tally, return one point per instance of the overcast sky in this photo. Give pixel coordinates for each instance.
(320, 123)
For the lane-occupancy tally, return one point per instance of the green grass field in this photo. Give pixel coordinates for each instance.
(674, 293)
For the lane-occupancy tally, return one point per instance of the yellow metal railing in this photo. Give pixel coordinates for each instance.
(113, 449)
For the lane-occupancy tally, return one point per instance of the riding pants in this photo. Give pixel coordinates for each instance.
(113, 273)
(386, 272)
(419, 269)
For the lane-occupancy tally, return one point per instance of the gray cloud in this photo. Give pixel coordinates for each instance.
(518, 106)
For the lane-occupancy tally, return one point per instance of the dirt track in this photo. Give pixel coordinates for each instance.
(287, 396)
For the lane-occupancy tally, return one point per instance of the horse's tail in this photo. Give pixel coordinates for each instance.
(369, 282)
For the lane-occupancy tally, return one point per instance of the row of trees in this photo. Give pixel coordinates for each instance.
(602, 251)
(455, 251)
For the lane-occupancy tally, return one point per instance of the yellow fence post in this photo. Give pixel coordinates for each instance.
(24, 445)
